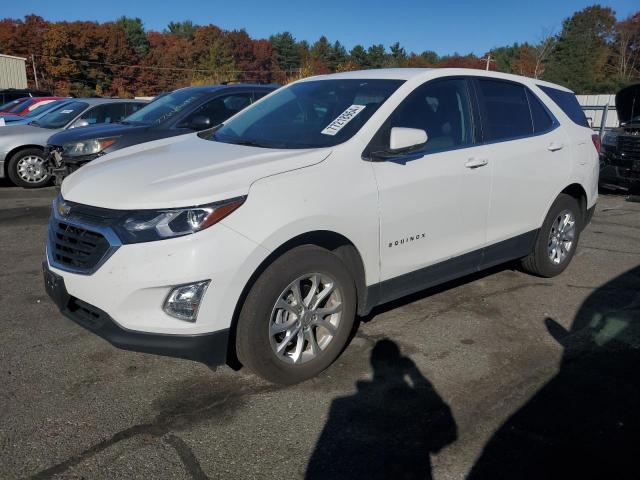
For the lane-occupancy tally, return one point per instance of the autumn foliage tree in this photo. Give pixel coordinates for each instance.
(592, 53)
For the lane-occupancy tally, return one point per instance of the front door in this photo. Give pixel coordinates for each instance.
(433, 203)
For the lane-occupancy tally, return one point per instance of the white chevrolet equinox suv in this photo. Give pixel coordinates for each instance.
(257, 242)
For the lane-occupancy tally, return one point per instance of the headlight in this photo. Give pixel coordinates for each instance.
(88, 147)
(151, 225)
(610, 139)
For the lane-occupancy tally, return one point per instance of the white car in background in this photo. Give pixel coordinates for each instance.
(260, 240)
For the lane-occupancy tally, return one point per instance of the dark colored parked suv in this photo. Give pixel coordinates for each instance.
(9, 94)
(177, 113)
(620, 155)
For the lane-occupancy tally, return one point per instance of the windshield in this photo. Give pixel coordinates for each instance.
(165, 107)
(18, 107)
(312, 114)
(9, 105)
(60, 117)
(48, 107)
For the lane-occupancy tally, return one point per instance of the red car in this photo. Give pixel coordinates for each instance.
(22, 106)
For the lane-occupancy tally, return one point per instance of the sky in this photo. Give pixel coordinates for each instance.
(445, 26)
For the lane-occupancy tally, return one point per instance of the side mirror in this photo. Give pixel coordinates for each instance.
(79, 123)
(402, 141)
(199, 122)
(406, 140)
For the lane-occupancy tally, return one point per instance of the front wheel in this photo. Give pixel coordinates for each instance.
(297, 317)
(557, 239)
(28, 168)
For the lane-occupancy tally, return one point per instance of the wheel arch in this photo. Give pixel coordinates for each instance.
(335, 242)
(15, 150)
(578, 192)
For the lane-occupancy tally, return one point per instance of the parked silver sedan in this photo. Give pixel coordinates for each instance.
(22, 157)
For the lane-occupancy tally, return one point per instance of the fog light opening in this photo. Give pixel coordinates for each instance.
(183, 301)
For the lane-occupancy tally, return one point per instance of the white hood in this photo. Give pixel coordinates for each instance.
(179, 172)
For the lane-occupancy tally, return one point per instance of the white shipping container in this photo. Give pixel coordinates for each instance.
(13, 72)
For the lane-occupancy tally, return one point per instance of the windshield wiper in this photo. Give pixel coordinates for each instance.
(249, 143)
(34, 123)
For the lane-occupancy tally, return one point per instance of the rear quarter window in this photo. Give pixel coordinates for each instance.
(542, 118)
(568, 103)
(504, 110)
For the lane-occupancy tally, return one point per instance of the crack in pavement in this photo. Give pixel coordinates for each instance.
(610, 250)
(187, 456)
(162, 425)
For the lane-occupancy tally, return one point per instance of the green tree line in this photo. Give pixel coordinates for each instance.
(593, 52)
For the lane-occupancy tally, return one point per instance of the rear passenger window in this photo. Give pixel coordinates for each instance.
(440, 108)
(568, 102)
(542, 120)
(504, 110)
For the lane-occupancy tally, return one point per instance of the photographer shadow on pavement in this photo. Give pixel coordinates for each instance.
(585, 422)
(388, 428)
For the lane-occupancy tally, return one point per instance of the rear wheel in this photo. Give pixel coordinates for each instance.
(27, 168)
(557, 239)
(297, 317)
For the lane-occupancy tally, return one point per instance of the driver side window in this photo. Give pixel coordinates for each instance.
(108, 113)
(441, 108)
(219, 109)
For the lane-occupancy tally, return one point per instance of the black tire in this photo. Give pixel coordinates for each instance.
(253, 337)
(538, 262)
(12, 168)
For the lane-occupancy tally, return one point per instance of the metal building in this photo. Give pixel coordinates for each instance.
(13, 72)
(600, 110)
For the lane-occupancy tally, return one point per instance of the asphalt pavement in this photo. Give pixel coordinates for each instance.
(498, 375)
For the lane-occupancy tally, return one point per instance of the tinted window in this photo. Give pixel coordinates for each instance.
(134, 107)
(108, 113)
(21, 105)
(568, 102)
(441, 109)
(259, 94)
(504, 109)
(46, 107)
(166, 107)
(60, 117)
(542, 120)
(309, 114)
(14, 96)
(10, 104)
(220, 108)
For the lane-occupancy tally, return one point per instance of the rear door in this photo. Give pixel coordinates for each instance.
(529, 159)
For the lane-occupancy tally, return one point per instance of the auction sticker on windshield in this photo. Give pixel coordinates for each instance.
(342, 119)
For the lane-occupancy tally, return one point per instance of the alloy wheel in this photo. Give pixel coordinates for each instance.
(561, 237)
(305, 318)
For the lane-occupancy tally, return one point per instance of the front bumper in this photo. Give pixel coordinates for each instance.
(210, 349)
(618, 172)
(61, 166)
(3, 158)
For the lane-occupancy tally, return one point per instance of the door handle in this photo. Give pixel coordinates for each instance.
(476, 162)
(555, 146)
